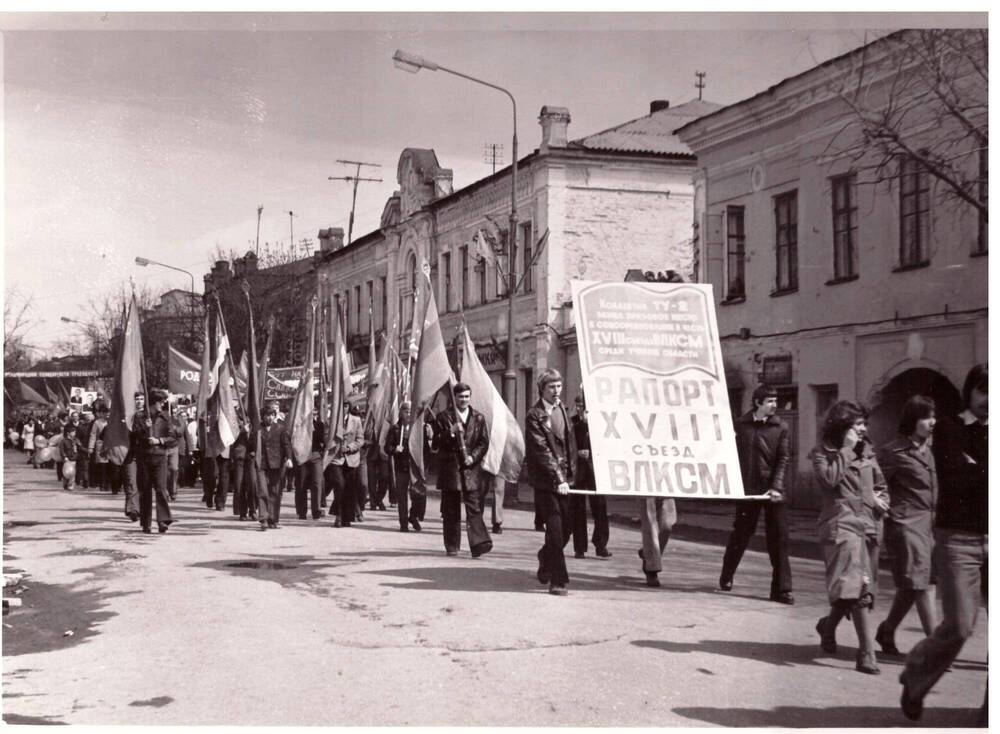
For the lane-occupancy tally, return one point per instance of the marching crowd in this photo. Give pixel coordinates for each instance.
(923, 496)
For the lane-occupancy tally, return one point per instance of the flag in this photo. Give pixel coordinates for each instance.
(340, 378)
(129, 374)
(394, 377)
(222, 426)
(240, 377)
(379, 388)
(300, 418)
(432, 372)
(262, 372)
(52, 397)
(207, 377)
(252, 381)
(29, 394)
(183, 373)
(506, 450)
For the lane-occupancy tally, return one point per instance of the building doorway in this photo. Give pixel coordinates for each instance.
(887, 403)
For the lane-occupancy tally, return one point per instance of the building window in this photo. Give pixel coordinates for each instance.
(914, 213)
(465, 277)
(357, 309)
(346, 313)
(529, 383)
(385, 302)
(786, 220)
(845, 226)
(736, 240)
(371, 306)
(411, 268)
(528, 248)
(446, 280)
(984, 178)
(481, 268)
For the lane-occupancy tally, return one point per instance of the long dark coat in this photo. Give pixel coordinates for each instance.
(447, 442)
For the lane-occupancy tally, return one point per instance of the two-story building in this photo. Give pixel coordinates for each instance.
(589, 208)
(840, 273)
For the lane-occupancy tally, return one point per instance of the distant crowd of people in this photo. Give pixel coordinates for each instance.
(922, 496)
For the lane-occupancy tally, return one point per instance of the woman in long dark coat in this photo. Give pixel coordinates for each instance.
(854, 500)
(908, 465)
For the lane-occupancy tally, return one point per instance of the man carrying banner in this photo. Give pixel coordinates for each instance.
(274, 460)
(397, 446)
(309, 485)
(345, 469)
(585, 480)
(551, 451)
(155, 440)
(762, 445)
(462, 437)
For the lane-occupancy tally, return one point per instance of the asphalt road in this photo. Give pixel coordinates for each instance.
(218, 623)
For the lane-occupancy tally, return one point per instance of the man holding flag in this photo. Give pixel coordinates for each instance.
(461, 436)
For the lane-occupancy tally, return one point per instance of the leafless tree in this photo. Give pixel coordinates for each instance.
(18, 321)
(919, 95)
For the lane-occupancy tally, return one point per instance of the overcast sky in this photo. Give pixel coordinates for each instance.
(160, 135)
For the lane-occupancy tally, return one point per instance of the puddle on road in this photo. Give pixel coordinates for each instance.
(20, 523)
(9, 718)
(262, 565)
(156, 702)
(48, 611)
(114, 555)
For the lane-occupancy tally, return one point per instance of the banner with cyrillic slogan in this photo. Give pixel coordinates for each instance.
(657, 403)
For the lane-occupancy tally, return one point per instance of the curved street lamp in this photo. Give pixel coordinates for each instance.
(413, 63)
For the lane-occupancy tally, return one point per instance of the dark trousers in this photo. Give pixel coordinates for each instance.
(99, 474)
(578, 511)
(222, 471)
(243, 483)
(209, 479)
(451, 514)
(269, 484)
(59, 468)
(407, 510)
(347, 489)
(776, 530)
(83, 469)
(539, 514)
(554, 509)
(152, 478)
(378, 481)
(309, 486)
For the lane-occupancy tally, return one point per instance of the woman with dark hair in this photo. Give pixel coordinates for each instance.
(854, 500)
(961, 541)
(908, 465)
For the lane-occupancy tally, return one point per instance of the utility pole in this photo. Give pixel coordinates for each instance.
(355, 179)
(291, 233)
(493, 153)
(700, 84)
(257, 246)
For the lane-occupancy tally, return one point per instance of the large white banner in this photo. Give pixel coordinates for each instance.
(656, 393)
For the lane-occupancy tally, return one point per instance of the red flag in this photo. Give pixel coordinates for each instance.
(222, 426)
(29, 394)
(431, 374)
(252, 385)
(340, 379)
(506, 451)
(129, 374)
(182, 372)
(301, 415)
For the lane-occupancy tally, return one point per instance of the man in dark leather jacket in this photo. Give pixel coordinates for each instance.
(551, 455)
(461, 438)
(762, 445)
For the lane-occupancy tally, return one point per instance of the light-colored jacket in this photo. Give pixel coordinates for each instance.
(349, 448)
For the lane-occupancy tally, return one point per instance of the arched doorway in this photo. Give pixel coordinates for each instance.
(887, 403)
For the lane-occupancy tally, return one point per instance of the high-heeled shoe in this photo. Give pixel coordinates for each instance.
(886, 640)
(865, 663)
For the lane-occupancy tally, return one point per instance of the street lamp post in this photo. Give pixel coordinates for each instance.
(143, 262)
(413, 63)
(96, 333)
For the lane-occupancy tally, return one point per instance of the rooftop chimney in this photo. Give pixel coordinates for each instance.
(555, 127)
(331, 239)
(658, 104)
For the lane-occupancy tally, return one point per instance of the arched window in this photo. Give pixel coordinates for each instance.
(411, 269)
